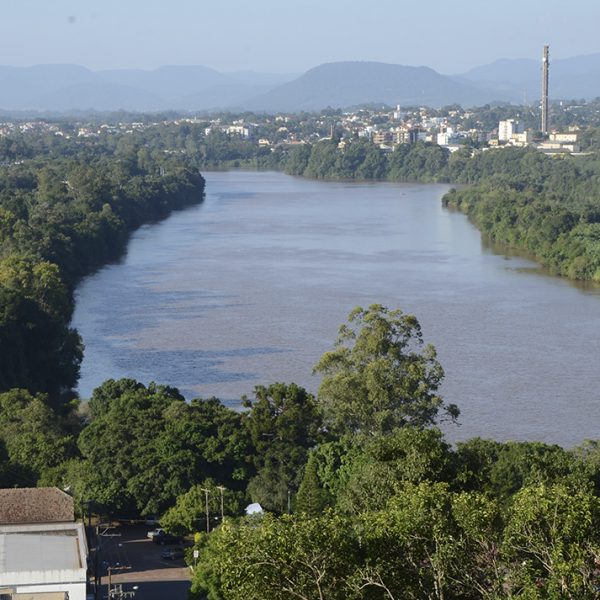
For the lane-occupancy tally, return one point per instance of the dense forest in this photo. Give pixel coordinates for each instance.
(364, 497)
(67, 207)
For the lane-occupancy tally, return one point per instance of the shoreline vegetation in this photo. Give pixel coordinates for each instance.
(67, 208)
(364, 497)
(546, 207)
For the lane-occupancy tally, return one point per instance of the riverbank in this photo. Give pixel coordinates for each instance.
(250, 288)
(545, 207)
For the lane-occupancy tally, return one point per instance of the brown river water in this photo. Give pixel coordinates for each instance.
(250, 287)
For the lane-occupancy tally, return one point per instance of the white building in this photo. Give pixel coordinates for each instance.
(43, 558)
(507, 129)
(43, 552)
(564, 138)
(521, 139)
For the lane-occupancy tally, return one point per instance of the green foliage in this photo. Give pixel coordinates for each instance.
(386, 463)
(377, 378)
(189, 512)
(289, 557)
(363, 160)
(551, 542)
(32, 438)
(544, 207)
(109, 391)
(312, 498)
(147, 446)
(284, 423)
(38, 351)
(63, 212)
(418, 162)
(426, 542)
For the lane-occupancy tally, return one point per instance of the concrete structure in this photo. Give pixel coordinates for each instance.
(406, 135)
(44, 558)
(558, 147)
(564, 138)
(509, 128)
(242, 131)
(521, 139)
(43, 552)
(381, 138)
(545, 69)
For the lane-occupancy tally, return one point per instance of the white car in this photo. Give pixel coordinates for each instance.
(152, 534)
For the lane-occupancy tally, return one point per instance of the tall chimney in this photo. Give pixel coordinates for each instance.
(545, 67)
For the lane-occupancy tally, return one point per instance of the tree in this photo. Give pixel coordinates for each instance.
(189, 512)
(551, 543)
(311, 499)
(278, 559)
(146, 446)
(284, 423)
(32, 436)
(412, 546)
(109, 391)
(38, 352)
(378, 378)
(386, 463)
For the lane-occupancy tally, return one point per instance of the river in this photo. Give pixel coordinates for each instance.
(250, 287)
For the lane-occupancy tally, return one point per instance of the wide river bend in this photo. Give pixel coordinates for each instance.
(250, 287)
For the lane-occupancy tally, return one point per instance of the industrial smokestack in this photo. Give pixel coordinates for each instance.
(545, 68)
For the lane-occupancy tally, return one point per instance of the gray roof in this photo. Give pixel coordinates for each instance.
(30, 552)
(35, 505)
(48, 553)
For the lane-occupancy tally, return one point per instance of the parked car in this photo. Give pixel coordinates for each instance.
(172, 553)
(152, 534)
(152, 521)
(163, 538)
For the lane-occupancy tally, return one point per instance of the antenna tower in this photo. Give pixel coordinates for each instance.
(545, 68)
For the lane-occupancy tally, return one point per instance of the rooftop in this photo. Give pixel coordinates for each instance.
(42, 554)
(35, 505)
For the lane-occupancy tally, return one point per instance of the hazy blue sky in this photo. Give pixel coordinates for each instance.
(292, 35)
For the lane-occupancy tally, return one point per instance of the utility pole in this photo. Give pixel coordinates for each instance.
(206, 491)
(222, 489)
(117, 591)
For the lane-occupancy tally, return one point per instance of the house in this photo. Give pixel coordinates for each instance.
(43, 551)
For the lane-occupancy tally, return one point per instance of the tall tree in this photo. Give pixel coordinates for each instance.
(284, 423)
(312, 498)
(378, 377)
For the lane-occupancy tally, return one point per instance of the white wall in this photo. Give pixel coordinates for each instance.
(76, 591)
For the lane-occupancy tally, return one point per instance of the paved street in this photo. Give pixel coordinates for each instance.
(156, 578)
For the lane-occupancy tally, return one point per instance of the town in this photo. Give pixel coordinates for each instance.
(573, 127)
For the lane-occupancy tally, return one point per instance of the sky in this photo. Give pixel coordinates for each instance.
(291, 36)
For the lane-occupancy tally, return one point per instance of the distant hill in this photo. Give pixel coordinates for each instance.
(344, 84)
(71, 87)
(570, 78)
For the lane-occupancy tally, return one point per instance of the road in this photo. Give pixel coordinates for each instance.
(136, 561)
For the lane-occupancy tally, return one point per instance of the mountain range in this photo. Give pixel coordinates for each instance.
(65, 88)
